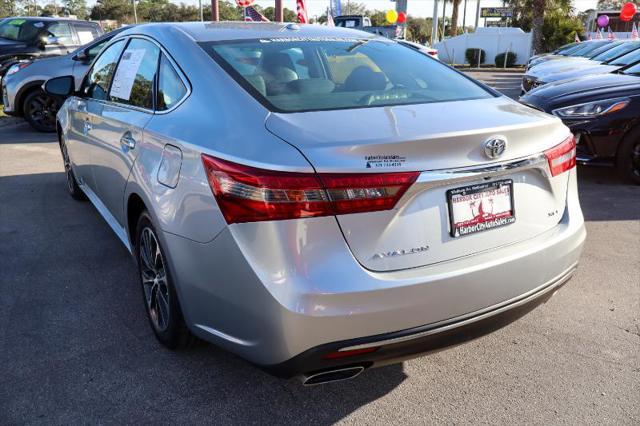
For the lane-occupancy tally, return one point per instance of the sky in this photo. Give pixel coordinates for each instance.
(422, 8)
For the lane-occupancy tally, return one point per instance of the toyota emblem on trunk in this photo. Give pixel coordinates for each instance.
(495, 147)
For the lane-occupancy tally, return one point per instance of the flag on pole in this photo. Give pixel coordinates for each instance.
(577, 39)
(598, 35)
(634, 32)
(252, 15)
(302, 12)
(330, 22)
(589, 37)
(610, 35)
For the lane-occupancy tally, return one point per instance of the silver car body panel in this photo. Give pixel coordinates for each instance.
(271, 290)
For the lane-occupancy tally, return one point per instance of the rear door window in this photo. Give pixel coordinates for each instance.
(134, 79)
(63, 33)
(86, 33)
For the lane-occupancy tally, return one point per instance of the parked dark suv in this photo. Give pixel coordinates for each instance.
(32, 38)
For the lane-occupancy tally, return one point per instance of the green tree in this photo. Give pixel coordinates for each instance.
(288, 15)
(8, 8)
(76, 7)
(559, 22)
(119, 10)
(610, 4)
(419, 29)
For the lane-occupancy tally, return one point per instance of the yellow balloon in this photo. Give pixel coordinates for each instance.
(392, 16)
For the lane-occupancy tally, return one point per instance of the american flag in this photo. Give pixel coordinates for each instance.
(610, 35)
(302, 12)
(251, 14)
(634, 32)
(599, 35)
(577, 39)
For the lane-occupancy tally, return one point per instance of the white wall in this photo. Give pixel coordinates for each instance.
(492, 40)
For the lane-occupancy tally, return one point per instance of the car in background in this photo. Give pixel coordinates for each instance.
(316, 199)
(420, 48)
(602, 111)
(31, 38)
(22, 94)
(583, 49)
(534, 79)
(562, 50)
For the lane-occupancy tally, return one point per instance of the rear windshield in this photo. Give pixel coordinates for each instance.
(20, 29)
(617, 51)
(293, 75)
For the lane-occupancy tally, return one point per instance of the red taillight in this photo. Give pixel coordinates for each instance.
(562, 157)
(248, 194)
(353, 352)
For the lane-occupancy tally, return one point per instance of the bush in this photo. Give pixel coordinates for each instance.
(472, 56)
(511, 59)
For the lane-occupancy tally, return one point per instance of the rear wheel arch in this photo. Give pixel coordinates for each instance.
(135, 207)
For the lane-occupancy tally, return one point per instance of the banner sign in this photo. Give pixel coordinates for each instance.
(496, 12)
(336, 8)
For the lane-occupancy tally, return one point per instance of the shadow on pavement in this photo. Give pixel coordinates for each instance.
(604, 196)
(77, 347)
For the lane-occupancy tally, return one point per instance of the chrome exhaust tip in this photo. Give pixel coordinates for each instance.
(332, 376)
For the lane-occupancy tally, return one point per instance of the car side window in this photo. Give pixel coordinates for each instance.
(171, 89)
(62, 32)
(99, 78)
(86, 33)
(134, 79)
(95, 49)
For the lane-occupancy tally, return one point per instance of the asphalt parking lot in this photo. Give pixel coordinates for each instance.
(75, 346)
(507, 82)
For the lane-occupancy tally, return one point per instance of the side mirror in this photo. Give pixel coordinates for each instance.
(81, 56)
(60, 86)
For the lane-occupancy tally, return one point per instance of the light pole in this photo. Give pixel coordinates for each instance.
(434, 23)
(135, 12)
(477, 16)
(201, 15)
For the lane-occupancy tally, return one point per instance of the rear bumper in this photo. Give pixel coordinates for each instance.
(284, 293)
(406, 344)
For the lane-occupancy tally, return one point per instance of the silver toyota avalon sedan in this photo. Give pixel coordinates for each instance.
(318, 200)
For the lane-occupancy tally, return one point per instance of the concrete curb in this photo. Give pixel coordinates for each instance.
(9, 121)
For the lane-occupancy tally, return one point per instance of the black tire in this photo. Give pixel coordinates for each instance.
(628, 158)
(158, 290)
(72, 184)
(40, 109)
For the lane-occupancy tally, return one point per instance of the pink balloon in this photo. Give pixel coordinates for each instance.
(603, 21)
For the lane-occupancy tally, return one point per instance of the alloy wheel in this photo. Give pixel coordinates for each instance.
(42, 109)
(635, 159)
(154, 279)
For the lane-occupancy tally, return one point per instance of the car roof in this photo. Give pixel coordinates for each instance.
(218, 31)
(48, 19)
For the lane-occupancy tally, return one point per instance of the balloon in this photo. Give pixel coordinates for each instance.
(244, 3)
(628, 11)
(402, 18)
(603, 21)
(392, 16)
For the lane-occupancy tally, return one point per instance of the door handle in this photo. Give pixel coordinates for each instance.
(128, 141)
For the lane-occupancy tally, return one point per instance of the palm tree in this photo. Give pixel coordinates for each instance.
(537, 23)
(453, 30)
